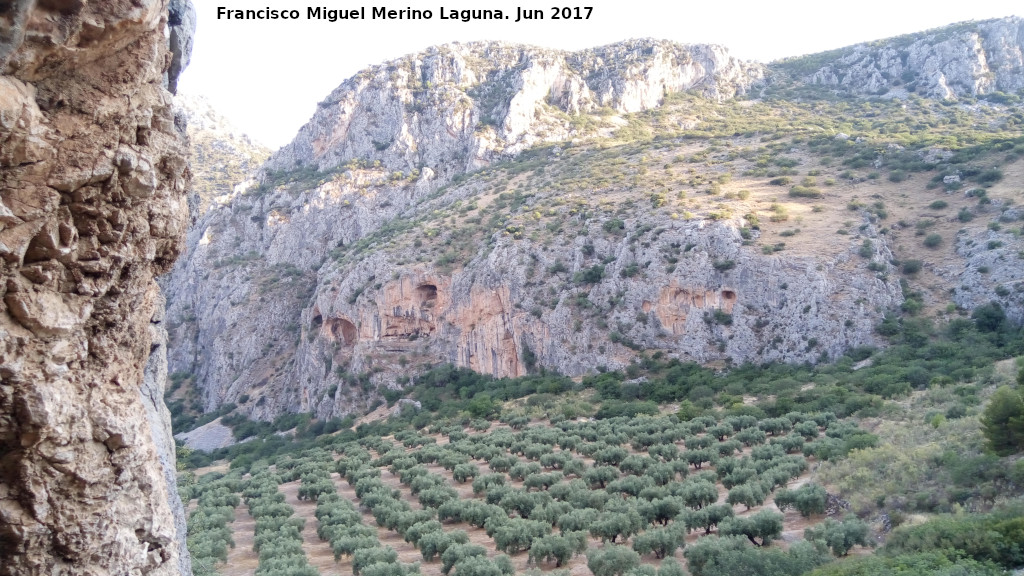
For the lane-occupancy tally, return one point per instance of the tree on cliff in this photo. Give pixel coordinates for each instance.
(1003, 421)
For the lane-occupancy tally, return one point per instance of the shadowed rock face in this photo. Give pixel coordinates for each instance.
(93, 180)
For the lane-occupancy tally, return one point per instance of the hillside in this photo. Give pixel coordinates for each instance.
(221, 156)
(543, 477)
(642, 309)
(512, 209)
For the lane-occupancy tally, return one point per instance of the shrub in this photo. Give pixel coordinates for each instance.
(990, 537)
(911, 267)
(937, 563)
(932, 241)
(1003, 422)
(839, 537)
(805, 192)
(990, 176)
(591, 275)
(614, 226)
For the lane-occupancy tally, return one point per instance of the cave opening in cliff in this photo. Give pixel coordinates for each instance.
(427, 295)
(728, 295)
(343, 330)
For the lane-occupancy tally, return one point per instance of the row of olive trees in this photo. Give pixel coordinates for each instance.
(209, 535)
(278, 535)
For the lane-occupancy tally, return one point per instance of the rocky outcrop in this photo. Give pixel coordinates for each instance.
(457, 107)
(989, 272)
(209, 436)
(154, 383)
(93, 179)
(496, 315)
(962, 60)
(181, 24)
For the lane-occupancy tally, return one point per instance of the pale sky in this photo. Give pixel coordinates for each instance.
(266, 77)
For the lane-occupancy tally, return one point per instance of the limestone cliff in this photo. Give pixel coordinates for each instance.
(380, 143)
(93, 177)
(458, 107)
(511, 209)
(968, 59)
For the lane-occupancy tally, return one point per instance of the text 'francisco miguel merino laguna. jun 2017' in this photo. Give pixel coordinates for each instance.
(385, 13)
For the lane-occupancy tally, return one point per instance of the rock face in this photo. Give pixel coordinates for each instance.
(969, 59)
(459, 106)
(424, 216)
(310, 291)
(93, 177)
(985, 276)
(381, 142)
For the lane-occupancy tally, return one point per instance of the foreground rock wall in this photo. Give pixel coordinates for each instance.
(93, 179)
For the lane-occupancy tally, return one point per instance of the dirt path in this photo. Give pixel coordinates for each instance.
(242, 560)
(317, 551)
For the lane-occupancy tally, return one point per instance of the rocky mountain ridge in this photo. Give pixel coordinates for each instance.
(221, 156)
(458, 107)
(963, 60)
(365, 253)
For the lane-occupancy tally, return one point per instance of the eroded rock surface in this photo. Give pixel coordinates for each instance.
(93, 177)
(457, 107)
(969, 59)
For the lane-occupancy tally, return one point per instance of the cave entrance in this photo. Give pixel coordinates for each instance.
(343, 330)
(728, 295)
(427, 295)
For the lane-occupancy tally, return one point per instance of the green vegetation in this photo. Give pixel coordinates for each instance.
(928, 426)
(1003, 421)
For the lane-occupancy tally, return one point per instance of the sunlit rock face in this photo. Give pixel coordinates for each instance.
(957, 61)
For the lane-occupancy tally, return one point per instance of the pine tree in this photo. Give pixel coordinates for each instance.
(1003, 422)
